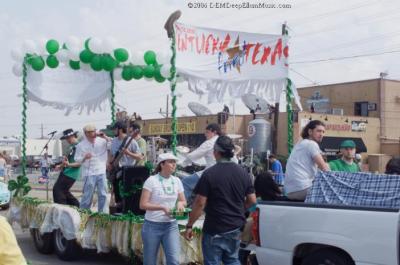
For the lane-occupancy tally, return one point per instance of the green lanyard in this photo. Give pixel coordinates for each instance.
(170, 190)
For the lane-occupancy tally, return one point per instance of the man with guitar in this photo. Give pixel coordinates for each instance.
(125, 151)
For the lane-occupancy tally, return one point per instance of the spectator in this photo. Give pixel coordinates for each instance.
(266, 187)
(304, 161)
(276, 168)
(2, 166)
(45, 162)
(161, 193)
(346, 163)
(10, 253)
(393, 166)
(225, 191)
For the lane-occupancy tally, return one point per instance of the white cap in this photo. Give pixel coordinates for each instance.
(166, 156)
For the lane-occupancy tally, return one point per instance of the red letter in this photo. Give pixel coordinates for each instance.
(225, 43)
(248, 47)
(210, 37)
(255, 53)
(199, 50)
(277, 51)
(264, 58)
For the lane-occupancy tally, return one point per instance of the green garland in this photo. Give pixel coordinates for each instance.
(289, 110)
(133, 190)
(112, 99)
(173, 87)
(21, 185)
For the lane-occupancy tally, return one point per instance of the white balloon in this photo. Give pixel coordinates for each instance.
(29, 46)
(73, 42)
(73, 54)
(164, 57)
(117, 74)
(85, 66)
(42, 46)
(148, 79)
(109, 44)
(95, 45)
(17, 69)
(17, 54)
(62, 55)
(165, 70)
(138, 58)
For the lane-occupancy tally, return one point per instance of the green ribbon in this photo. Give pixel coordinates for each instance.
(20, 186)
(112, 99)
(172, 80)
(289, 110)
(133, 190)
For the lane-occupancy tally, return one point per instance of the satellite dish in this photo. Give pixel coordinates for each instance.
(199, 109)
(256, 103)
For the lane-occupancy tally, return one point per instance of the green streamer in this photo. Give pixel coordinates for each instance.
(289, 110)
(112, 99)
(24, 108)
(172, 80)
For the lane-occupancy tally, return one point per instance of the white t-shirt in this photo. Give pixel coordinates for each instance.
(2, 163)
(164, 191)
(301, 168)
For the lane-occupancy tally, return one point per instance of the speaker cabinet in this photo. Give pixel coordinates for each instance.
(133, 177)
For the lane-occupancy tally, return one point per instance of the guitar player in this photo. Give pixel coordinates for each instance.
(124, 152)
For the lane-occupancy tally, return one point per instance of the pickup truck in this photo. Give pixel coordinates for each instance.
(296, 233)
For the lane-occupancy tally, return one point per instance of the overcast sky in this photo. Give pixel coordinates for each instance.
(320, 30)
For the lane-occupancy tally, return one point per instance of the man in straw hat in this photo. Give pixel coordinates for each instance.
(92, 153)
(70, 172)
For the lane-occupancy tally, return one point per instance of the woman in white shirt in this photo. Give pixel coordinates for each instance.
(161, 193)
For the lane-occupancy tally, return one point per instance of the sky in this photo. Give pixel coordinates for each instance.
(331, 41)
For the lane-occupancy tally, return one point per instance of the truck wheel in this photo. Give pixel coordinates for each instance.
(43, 243)
(66, 249)
(327, 257)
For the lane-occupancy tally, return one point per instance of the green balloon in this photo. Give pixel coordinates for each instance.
(127, 73)
(96, 63)
(52, 61)
(86, 56)
(87, 44)
(137, 72)
(148, 71)
(37, 63)
(150, 57)
(52, 46)
(157, 75)
(74, 65)
(121, 55)
(108, 63)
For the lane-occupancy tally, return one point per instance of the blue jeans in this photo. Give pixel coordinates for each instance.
(45, 171)
(91, 182)
(189, 183)
(164, 233)
(221, 248)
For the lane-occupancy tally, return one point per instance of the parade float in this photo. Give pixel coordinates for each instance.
(78, 75)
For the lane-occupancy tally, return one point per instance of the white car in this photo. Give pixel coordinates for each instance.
(5, 196)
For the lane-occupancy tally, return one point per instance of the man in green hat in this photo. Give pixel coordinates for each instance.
(346, 162)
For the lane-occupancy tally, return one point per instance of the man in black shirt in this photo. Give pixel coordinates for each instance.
(224, 191)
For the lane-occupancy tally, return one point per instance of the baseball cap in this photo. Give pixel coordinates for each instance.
(166, 156)
(348, 143)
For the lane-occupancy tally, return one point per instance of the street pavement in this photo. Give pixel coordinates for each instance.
(26, 243)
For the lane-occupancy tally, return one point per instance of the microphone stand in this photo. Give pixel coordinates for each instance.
(46, 147)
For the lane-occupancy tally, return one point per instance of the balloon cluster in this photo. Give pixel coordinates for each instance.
(95, 54)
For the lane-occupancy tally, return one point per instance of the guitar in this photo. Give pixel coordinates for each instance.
(112, 172)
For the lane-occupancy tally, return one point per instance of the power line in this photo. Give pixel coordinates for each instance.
(345, 57)
(305, 77)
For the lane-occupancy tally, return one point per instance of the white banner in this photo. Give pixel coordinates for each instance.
(64, 88)
(215, 62)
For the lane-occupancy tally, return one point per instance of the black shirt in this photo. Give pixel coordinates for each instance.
(226, 186)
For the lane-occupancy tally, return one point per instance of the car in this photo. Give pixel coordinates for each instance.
(5, 196)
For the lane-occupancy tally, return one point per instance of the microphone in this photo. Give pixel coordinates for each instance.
(52, 133)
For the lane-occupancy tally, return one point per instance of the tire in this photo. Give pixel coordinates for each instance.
(67, 250)
(5, 206)
(327, 257)
(44, 242)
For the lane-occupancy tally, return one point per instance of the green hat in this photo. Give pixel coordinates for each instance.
(348, 143)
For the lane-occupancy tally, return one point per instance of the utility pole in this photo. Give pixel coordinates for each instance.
(42, 131)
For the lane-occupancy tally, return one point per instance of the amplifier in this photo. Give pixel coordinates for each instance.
(132, 179)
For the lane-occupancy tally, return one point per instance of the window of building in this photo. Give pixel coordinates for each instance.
(361, 108)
